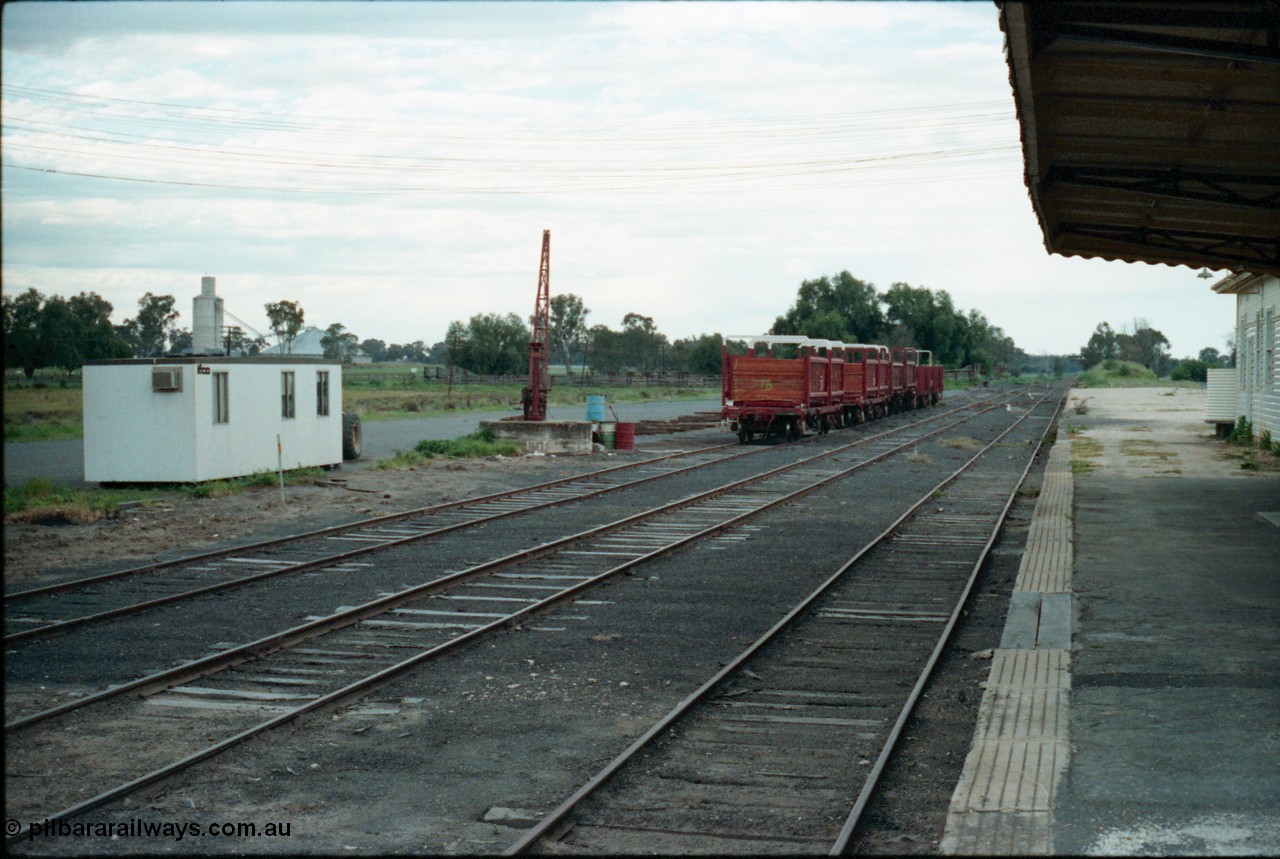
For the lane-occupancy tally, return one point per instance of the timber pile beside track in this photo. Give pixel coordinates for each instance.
(344, 656)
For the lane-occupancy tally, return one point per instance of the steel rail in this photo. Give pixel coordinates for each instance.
(302, 566)
(365, 683)
(926, 673)
(568, 805)
(274, 642)
(59, 626)
(16, 596)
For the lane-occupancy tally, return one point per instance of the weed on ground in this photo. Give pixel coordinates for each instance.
(43, 501)
(40, 500)
(480, 443)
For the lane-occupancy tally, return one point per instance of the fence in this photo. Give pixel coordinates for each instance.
(45, 377)
(441, 375)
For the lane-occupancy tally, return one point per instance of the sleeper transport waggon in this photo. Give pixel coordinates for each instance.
(790, 385)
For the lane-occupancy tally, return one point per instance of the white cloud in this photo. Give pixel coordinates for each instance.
(479, 125)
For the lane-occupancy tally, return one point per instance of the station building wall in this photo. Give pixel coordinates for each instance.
(1257, 387)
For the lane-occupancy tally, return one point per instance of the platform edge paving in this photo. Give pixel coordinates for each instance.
(1003, 802)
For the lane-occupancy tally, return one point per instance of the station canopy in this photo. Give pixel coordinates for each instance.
(1151, 130)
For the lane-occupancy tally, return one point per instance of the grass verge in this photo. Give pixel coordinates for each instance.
(479, 444)
(40, 500)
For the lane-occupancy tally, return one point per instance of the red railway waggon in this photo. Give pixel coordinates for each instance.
(790, 385)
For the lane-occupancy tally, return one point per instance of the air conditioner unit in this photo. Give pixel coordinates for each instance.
(166, 379)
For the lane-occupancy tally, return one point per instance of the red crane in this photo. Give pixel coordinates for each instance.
(534, 396)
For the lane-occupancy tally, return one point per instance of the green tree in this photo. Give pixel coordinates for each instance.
(1101, 346)
(1192, 369)
(415, 351)
(701, 354)
(147, 333)
(568, 325)
(1212, 357)
(22, 330)
(286, 319)
(375, 349)
(338, 343)
(643, 345)
(1145, 346)
(929, 317)
(983, 344)
(489, 344)
(180, 340)
(605, 349)
(95, 336)
(58, 328)
(839, 307)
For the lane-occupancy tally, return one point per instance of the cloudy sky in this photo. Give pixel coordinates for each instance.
(391, 166)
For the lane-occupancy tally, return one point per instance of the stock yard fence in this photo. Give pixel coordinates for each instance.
(433, 375)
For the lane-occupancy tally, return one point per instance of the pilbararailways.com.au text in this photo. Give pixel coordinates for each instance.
(136, 828)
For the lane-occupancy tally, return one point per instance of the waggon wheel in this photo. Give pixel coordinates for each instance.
(351, 436)
(744, 435)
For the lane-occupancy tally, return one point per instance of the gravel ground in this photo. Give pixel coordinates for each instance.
(518, 720)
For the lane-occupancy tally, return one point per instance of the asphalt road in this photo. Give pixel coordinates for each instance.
(63, 461)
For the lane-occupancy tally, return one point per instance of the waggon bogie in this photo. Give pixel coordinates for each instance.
(820, 385)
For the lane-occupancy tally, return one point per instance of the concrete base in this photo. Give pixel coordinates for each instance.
(544, 436)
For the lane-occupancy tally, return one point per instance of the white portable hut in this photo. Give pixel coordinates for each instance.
(185, 419)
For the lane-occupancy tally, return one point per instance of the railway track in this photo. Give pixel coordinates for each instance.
(781, 750)
(53, 609)
(254, 688)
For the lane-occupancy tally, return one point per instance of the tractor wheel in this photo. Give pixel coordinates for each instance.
(350, 436)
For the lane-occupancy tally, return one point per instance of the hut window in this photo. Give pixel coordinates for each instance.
(221, 404)
(288, 400)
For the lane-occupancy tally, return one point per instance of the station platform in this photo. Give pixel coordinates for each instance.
(1133, 706)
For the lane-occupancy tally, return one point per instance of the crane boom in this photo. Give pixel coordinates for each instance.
(534, 396)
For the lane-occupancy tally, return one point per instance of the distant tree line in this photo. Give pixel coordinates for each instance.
(842, 307)
(53, 331)
(1150, 348)
(48, 332)
(839, 307)
(490, 343)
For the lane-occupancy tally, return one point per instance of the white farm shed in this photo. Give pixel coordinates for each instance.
(1257, 373)
(191, 419)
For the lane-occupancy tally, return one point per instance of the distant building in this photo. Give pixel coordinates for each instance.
(309, 344)
(1257, 396)
(206, 319)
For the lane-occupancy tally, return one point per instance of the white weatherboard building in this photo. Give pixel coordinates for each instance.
(1257, 373)
(205, 418)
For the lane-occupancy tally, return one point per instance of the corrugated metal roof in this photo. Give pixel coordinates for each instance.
(1151, 130)
(1239, 283)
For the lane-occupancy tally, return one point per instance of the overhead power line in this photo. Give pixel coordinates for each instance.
(185, 145)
